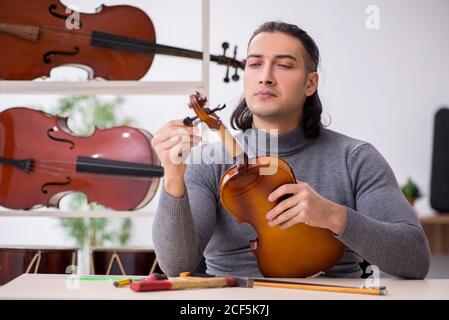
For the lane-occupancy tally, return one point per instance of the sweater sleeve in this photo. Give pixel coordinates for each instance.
(183, 226)
(383, 229)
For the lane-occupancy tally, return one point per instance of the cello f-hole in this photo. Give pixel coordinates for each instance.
(72, 144)
(45, 186)
(52, 11)
(46, 57)
(55, 14)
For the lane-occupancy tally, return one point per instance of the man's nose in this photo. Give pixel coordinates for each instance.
(266, 76)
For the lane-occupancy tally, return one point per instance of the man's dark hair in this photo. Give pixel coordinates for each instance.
(242, 117)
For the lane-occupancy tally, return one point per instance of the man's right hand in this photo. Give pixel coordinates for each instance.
(172, 143)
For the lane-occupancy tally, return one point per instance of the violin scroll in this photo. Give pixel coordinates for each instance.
(197, 103)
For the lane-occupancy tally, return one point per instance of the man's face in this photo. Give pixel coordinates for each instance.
(276, 81)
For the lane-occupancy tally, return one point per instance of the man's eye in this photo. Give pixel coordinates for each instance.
(253, 65)
(285, 66)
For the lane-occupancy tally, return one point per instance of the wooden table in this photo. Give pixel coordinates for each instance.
(39, 286)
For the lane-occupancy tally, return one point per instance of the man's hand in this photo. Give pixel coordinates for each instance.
(305, 205)
(173, 143)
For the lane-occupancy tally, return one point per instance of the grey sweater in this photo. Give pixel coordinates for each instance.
(381, 227)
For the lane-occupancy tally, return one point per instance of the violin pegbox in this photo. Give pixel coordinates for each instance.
(231, 62)
(197, 103)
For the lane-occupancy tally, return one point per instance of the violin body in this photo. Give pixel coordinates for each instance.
(296, 252)
(55, 45)
(41, 160)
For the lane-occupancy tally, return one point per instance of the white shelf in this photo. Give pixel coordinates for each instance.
(74, 214)
(102, 87)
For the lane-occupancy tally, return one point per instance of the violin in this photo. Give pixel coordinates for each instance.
(41, 160)
(114, 43)
(297, 252)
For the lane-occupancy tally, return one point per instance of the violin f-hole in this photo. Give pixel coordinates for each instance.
(50, 131)
(47, 56)
(49, 184)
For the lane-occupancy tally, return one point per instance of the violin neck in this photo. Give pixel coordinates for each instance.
(231, 144)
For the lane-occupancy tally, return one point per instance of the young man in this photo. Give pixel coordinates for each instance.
(344, 185)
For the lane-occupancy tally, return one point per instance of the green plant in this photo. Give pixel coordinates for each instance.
(84, 114)
(94, 231)
(411, 190)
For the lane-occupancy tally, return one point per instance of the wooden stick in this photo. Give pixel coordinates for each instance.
(176, 284)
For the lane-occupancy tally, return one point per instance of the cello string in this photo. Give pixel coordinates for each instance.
(88, 36)
(54, 167)
(98, 175)
(154, 46)
(57, 37)
(111, 166)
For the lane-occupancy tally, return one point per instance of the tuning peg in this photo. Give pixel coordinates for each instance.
(188, 121)
(235, 76)
(226, 78)
(225, 46)
(218, 108)
(235, 52)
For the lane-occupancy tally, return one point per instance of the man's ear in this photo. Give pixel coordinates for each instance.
(312, 83)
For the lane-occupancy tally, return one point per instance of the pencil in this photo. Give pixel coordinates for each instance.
(122, 283)
(319, 287)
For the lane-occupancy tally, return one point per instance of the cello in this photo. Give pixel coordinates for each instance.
(41, 160)
(114, 43)
(297, 252)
